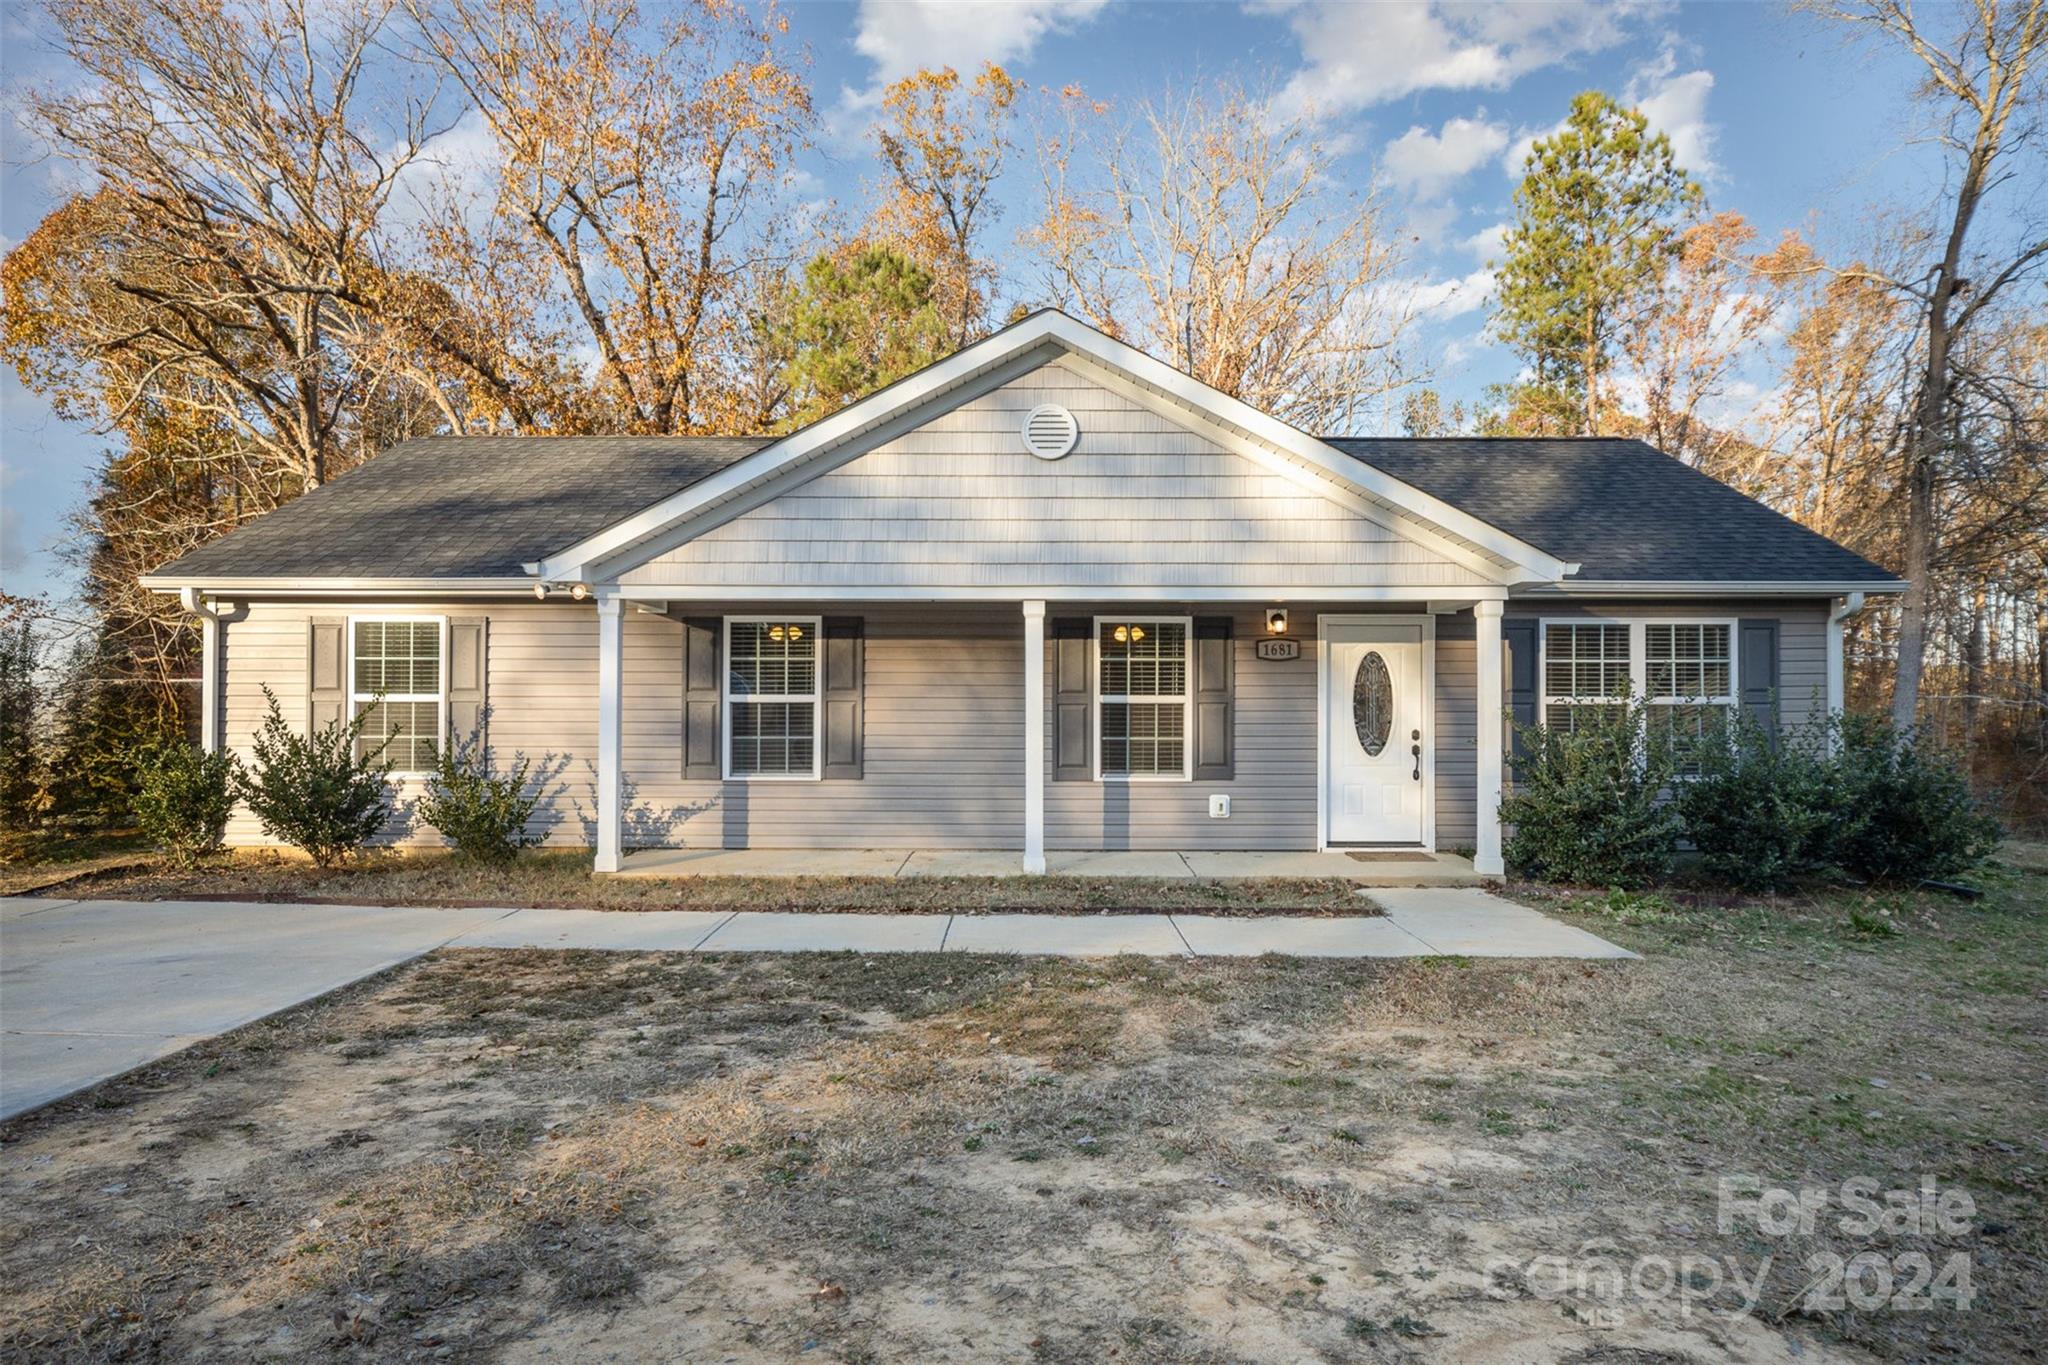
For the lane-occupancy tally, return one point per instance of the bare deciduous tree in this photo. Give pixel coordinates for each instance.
(1227, 244)
(1984, 89)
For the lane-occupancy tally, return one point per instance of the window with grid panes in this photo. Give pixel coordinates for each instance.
(395, 683)
(1586, 672)
(1142, 697)
(771, 681)
(1689, 681)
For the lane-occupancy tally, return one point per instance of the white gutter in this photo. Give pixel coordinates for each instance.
(1698, 588)
(209, 667)
(1842, 609)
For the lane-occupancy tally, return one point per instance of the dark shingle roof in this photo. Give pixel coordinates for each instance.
(480, 506)
(1624, 511)
(463, 506)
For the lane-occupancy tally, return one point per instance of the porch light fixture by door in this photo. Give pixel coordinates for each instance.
(1276, 621)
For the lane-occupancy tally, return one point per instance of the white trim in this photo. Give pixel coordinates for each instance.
(1034, 738)
(209, 668)
(1638, 662)
(1492, 700)
(1187, 696)
(1839, 611)
(817, 698)
(1023, 340)
(341, 587)
(1427, 639)
(611, 648)
(1695, 588)
(1065, 592)
(1309, 480)
(439, 698)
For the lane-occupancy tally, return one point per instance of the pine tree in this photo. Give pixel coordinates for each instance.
(1598, 216)
(860, 319)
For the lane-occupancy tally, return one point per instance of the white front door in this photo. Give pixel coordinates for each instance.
(1373, 733)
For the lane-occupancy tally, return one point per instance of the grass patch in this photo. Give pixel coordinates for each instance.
(562, 880)
(840, 1156)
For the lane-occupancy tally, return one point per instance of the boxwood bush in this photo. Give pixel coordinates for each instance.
(315, 792)
(1604, 805)
(483, 812)
(183, 797)
(1588, 803)
(1902, 811)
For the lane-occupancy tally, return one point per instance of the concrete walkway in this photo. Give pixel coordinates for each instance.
(1415, 868)
(90, 989)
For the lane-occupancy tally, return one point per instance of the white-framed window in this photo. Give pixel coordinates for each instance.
(1144, 699)
(772, 711)
(1587, 672)
(396, 679)
(1689, 681)
(1683, 670)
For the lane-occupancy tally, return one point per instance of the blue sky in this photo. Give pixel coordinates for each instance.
(1783, 119)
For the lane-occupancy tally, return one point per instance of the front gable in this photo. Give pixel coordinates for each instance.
(1166, 425)
(1144, 502)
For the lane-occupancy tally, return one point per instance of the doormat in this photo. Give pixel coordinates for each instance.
(1389, 855)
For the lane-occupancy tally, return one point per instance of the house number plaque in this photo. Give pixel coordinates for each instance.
(1279, 649)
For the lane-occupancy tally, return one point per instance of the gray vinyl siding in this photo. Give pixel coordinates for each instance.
(1142, 501)
(944, 729)
(1802, 682)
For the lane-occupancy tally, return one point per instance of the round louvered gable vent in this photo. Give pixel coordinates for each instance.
(1050, 431)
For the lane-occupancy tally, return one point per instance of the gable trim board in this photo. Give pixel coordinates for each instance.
(1010, 353)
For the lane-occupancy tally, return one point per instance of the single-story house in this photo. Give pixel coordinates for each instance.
(1048, 593)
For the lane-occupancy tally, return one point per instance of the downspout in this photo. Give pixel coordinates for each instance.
(209, 667)
(1841, 611)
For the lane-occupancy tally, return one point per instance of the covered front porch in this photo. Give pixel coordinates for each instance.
(976, 738)
(1367, 868)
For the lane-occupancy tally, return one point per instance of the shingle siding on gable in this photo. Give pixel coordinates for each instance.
(1141, 501)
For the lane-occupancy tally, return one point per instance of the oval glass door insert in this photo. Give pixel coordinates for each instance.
(1372, 703)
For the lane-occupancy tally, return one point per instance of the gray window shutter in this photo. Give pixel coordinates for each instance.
(1073, 729)
(1756, 654)
(1215, 687)
(326, 673)
(703, 638)
(845, 680)
(1523, 664)
(468, 651)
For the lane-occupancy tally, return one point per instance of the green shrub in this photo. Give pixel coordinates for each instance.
(1586, 805)
(183, 797)
(483, 812)
(1760, 812)
(1903, 811)
(315, 792)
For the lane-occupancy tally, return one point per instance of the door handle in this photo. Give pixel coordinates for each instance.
(1416, 749)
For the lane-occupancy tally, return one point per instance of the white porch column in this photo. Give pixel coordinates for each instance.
(1486, 858)
(1034, 737)
(611, 644)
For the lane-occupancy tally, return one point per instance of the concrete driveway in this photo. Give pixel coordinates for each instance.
(90, 989)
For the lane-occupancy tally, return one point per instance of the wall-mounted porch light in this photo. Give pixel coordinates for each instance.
(1276, 621)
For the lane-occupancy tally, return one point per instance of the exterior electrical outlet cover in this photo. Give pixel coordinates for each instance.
(1219, 808)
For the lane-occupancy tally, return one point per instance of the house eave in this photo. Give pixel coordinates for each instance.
(1693, 587)
(268, 586)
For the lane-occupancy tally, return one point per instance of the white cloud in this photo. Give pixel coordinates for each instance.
(1489, 243)
(1451, 298)
(457, 168)
(1359, 55)
(1426, 164)
(1675, 103)
(902, 36)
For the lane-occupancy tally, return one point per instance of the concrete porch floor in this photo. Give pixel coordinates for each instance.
(1417, 869)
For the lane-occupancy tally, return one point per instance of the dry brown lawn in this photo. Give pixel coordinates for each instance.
(562, 880)
(640, 1157)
